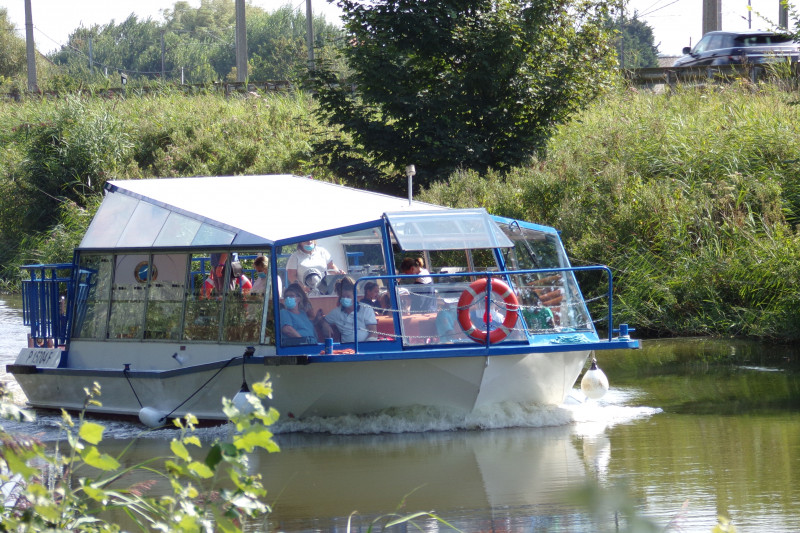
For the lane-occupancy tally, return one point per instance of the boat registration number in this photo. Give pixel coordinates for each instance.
(40, 357)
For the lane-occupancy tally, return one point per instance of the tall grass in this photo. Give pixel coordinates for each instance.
(691, 197)
(56, 154)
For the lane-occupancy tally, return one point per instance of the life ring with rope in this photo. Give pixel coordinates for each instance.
(511, 312)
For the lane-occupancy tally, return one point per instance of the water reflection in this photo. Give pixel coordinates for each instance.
(726, 442)
(500, 480)
(705, 376)
(13, 337)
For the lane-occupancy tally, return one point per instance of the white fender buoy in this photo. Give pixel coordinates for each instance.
(594, 383)
(152, 418)
(242, 403)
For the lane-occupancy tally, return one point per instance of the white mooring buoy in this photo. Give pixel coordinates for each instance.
(152, 418)
(594, 383)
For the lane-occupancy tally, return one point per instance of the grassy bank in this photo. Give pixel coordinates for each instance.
(56, 154)
(692, 197)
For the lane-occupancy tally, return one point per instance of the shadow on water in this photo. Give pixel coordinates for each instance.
(705, 376)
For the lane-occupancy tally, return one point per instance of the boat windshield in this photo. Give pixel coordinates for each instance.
(455, 229)
(544, 296)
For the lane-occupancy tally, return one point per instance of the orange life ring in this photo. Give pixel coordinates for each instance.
(468, 296)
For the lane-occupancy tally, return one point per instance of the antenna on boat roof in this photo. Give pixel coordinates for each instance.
(410, 171)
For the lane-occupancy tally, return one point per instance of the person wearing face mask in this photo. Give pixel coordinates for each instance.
(309, 256)
(344, 317)
(260, 283)
(296, 326)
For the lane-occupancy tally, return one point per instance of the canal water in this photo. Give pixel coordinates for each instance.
(691, 430)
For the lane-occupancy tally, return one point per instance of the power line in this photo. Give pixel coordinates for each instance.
(659, 8)
(69, 48)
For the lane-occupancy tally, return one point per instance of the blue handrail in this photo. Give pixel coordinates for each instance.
(489, 275)
(45, 302)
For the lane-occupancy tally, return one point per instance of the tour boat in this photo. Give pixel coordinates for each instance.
(175, 299)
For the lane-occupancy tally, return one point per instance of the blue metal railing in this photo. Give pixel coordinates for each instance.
(45, 302)
(505, 274)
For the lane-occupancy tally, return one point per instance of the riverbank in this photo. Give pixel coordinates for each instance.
(692, 197)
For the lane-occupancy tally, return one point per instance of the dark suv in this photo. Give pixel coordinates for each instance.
(736, 48)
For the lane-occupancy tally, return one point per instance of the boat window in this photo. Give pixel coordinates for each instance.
(203, 307)
(178, 230)
(209, 235)
(548, 300)
(110, 221)
(131, 274)
(454, 229)
(244, 298)
(166, 288)
(232, 310)
(143, 226)
(92, 296)
(318, 269)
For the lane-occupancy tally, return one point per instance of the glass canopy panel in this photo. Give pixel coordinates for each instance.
(211, 235)
(456, 229)
(179, 230)
(110, 221)
(143, 225)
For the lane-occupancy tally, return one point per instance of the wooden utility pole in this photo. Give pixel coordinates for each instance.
(783, 15)
(163, 53)
(30, 49)
(712, 15)
(309, 35)
(241, 42)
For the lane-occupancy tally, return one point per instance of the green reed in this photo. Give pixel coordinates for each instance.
(691, 197)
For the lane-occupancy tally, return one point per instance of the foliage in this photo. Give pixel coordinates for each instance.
(478, 84)
(691, 199)
(635, 43)
(13, 60)
(68, 151)
(55, 155)
(12, 49)
(277, 43)
(78, 488)
(198, 45)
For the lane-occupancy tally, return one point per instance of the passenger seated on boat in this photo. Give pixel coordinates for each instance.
(309, 256)
(296, 323)
(371, 297)
(423, 294)
(343, 316)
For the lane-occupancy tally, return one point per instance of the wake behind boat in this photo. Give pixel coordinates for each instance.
(184, 290)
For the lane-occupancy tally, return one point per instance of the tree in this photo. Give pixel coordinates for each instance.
(12, 49)
(198, 43)
(478, 84)
(635, 43)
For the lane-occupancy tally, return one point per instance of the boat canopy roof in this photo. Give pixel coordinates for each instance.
(265, 209)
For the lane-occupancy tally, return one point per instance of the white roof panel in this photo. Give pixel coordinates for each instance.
(270, 206)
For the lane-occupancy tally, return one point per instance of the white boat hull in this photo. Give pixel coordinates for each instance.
(461, 383)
